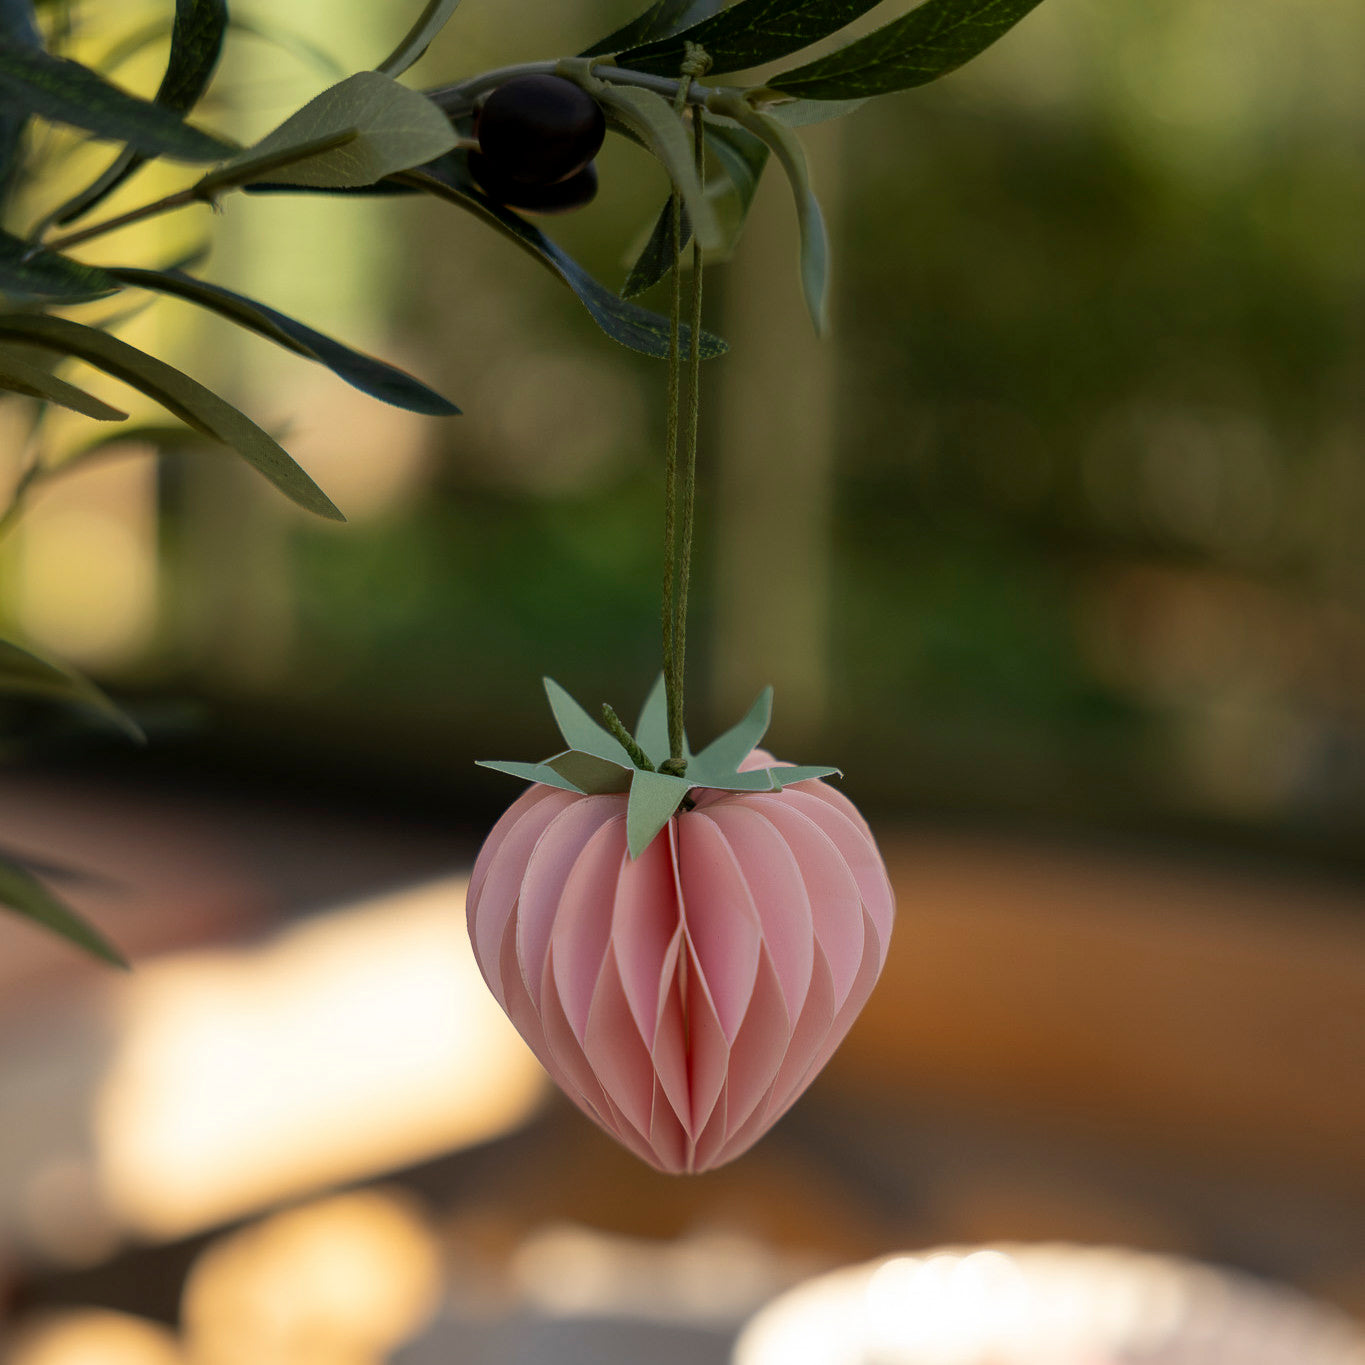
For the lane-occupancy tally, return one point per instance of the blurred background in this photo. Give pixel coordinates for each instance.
(1054, 547)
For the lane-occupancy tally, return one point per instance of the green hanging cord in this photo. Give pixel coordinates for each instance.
(696, 66)
(677, 561)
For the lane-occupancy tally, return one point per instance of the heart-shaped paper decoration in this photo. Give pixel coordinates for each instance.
(684, 998)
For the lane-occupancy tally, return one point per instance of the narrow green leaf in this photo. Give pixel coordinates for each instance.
(654, 797)
(530, 772)
(658, 21)
(747, 33)
(625, 322)
(244, 171)
(17, 27)
(395, 129)
(579, 729)
(26, 674)
(180, 395)
(364, 372)
(289, 40)
(805, 113)
(744, 158)
(658, 256)
(63, 91)
(651, 730)
(18, 376)
(930, 41)
(196, 42)
(23, 893)
(735, 745)
(419, 37)
(31, 272)
(814, 239)
(591, 774)
(652, 118)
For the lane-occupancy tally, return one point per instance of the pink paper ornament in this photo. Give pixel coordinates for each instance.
(686, 998)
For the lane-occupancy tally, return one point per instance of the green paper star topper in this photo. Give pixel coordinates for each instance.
(596, 763)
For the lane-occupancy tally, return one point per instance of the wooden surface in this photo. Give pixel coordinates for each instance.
(1162, 997)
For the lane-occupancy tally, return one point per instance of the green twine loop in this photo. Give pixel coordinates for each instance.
(684, 411)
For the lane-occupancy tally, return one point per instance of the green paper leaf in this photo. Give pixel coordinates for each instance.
(814, 239)
(930, 41)
(579, 729)
(364, 372)
(23, 893)
(395, 129)
(26, 674)
(62, 91)
(18, 376)
(30, 272)
(419, 37)
(748, 33)
(658, 21)
(651, 730)
(196, 42)
(658, 256)
(787, 777)
(737, 743)
(653, 799)
(186, 398)
(804, 113)
(530, 772)
(627, 323)
(590, 774)
(652, 118)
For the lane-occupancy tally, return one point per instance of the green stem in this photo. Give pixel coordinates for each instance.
(625, 739)
(179, 200)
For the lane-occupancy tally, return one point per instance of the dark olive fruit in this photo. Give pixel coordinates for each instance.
(540, 129)
(559, 197)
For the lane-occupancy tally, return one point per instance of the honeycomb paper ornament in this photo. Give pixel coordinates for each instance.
(684, 992)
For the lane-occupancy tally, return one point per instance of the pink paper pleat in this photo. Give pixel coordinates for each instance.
(683, 1000)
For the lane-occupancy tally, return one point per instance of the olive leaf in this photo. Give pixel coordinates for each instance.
(180, 395)
(930, 41)
(62, 91)
(196, 42)
(367, 373)
(625, 322)
(419, 37)
(651, 117)
(18, 376)
(386, 128)
(23, 893)
(747, 33)
(804, 113)
(17, 27)
(30, 272)
(26, 674)
(742, 157)
(658, 21)
(814, 239)
(659, 254)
